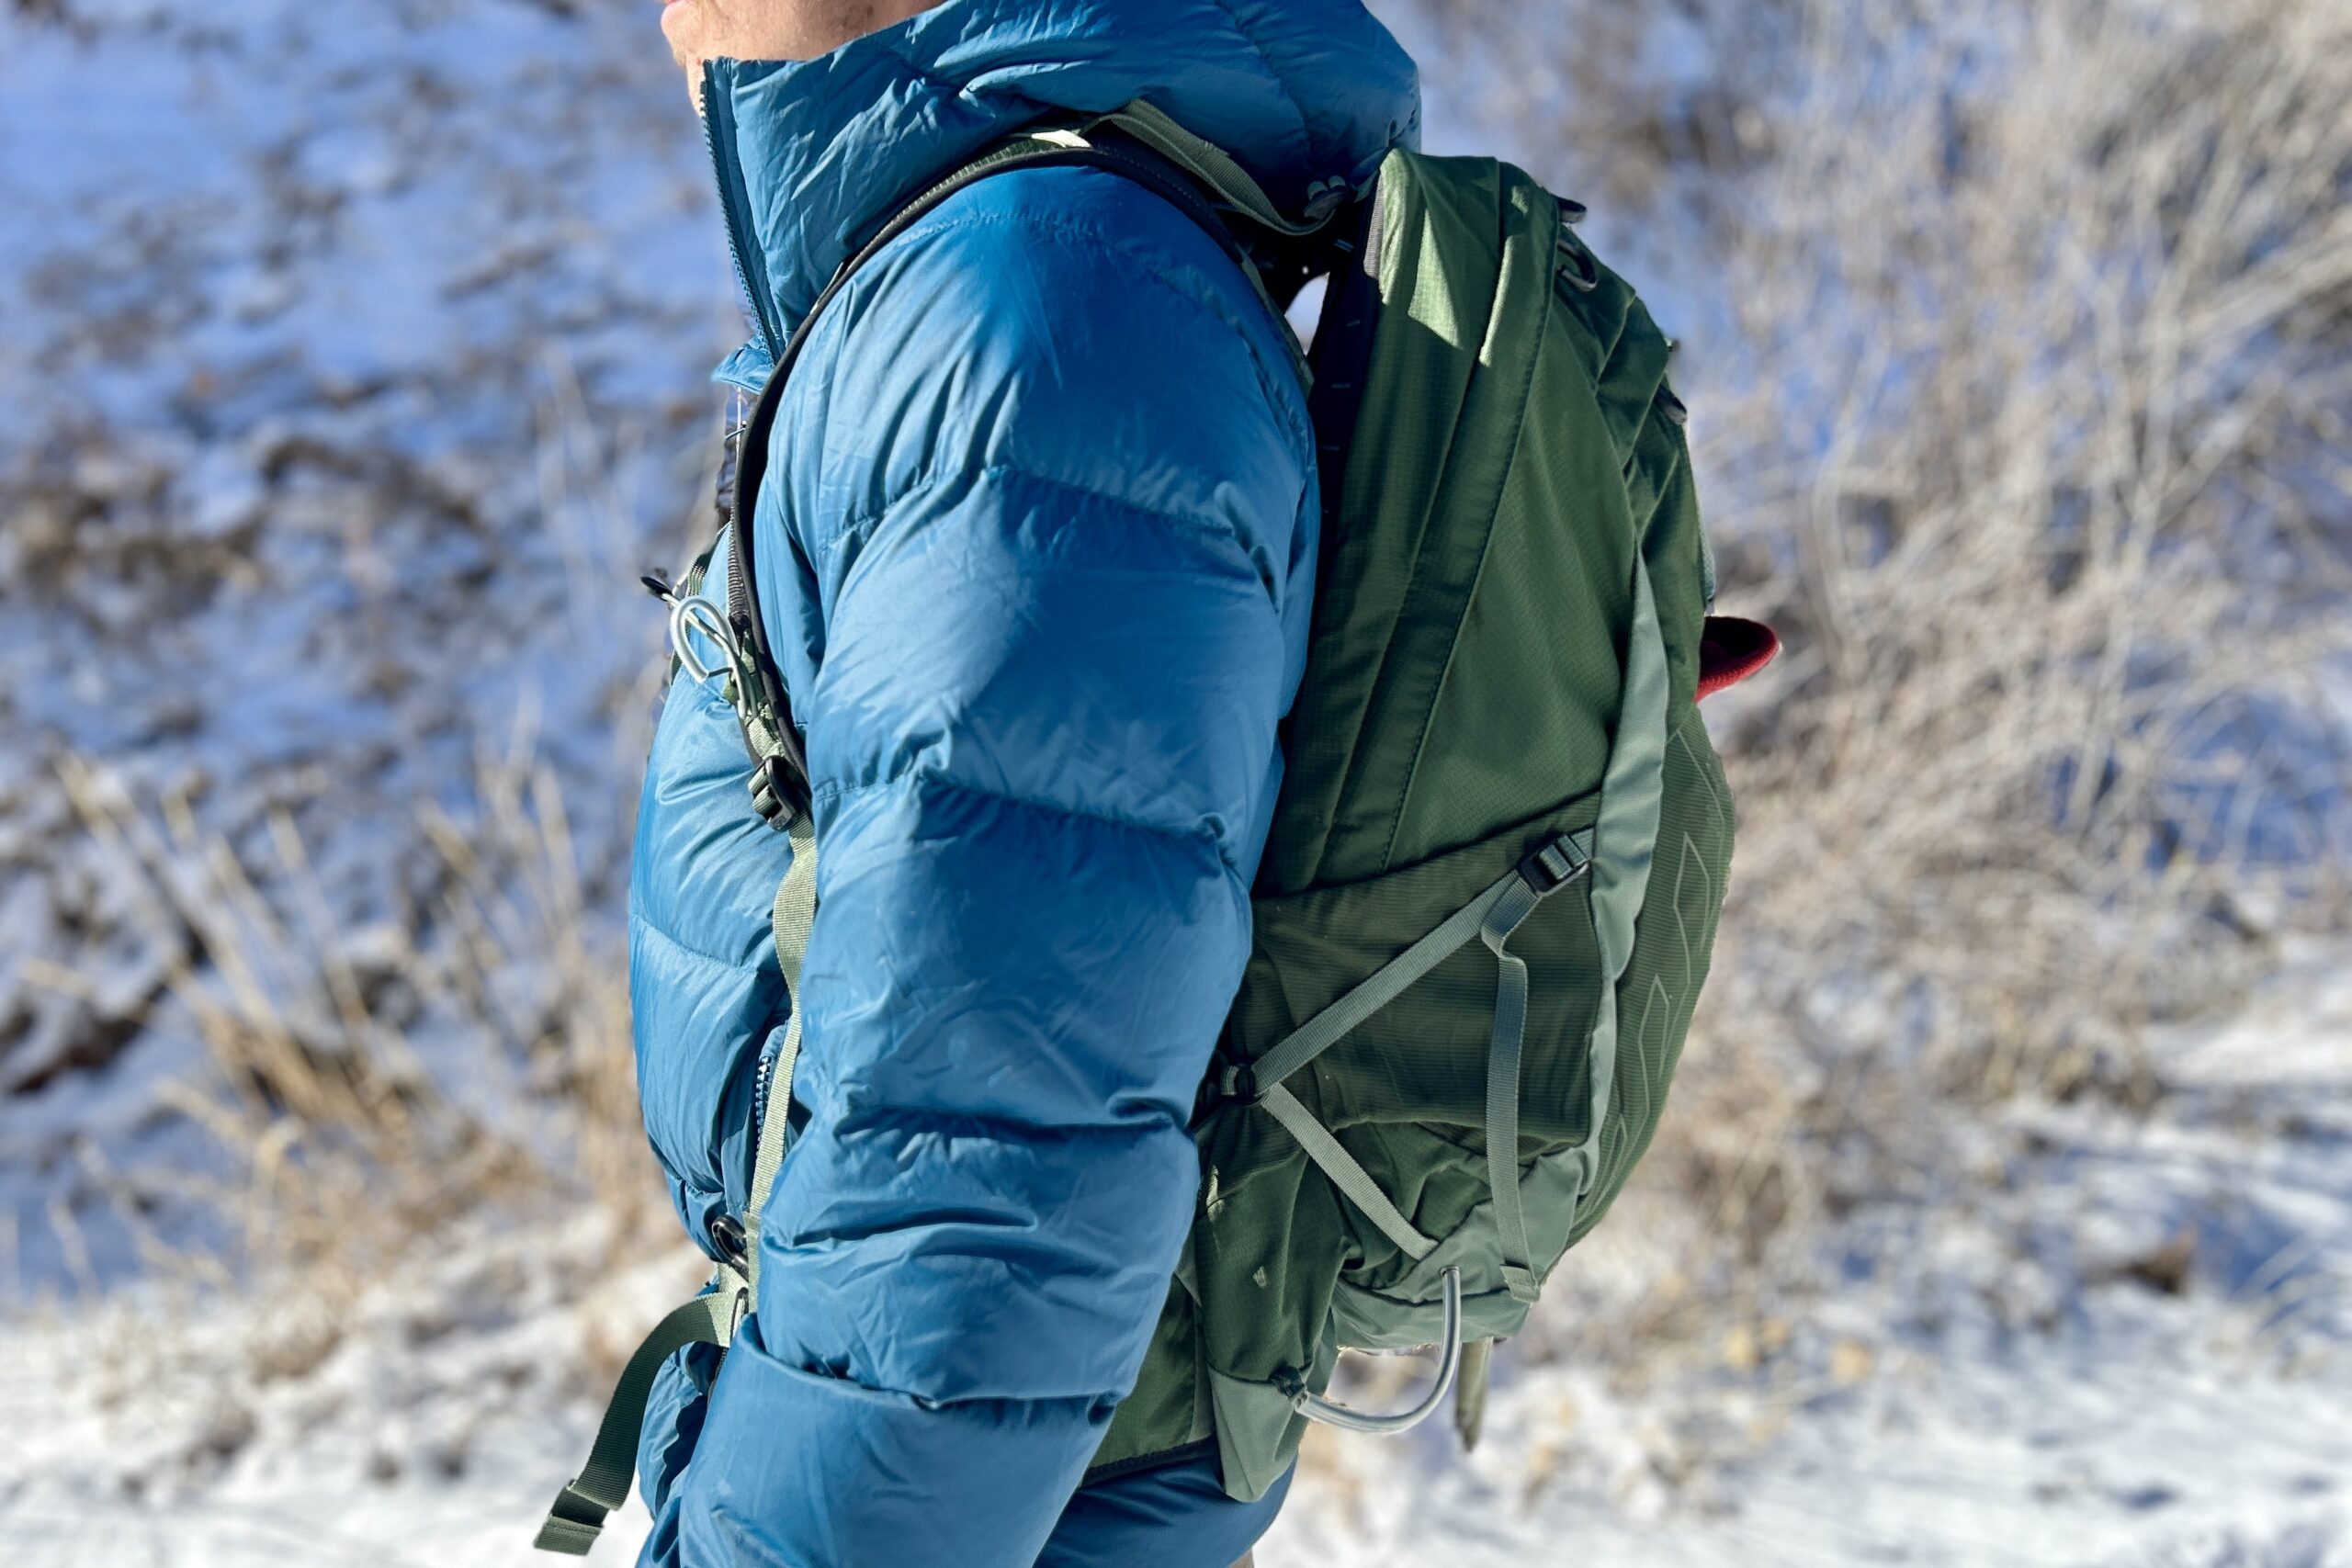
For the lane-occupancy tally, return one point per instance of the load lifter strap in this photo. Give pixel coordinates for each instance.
(1214, 168)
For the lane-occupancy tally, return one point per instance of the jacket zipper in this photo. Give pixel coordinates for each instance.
(760, 1080)
(723, 173)
(723, 170)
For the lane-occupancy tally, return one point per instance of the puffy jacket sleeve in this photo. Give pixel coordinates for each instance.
(1053, 508)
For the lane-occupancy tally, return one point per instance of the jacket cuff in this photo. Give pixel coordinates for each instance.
(800, 1470)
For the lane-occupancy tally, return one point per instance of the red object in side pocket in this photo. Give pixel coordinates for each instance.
(1731, 649)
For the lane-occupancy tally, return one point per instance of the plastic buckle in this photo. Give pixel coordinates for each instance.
(1553, 866)
(1239, 1084)
(778, 794)
(727, 1235)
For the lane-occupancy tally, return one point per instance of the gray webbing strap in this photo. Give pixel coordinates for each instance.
(1383, 985)
(1492, 916)
(1502, 1085)
(1327, 1028)
(1470, 1385)
(1351, 1179)
(796, 916)
(580, 1508)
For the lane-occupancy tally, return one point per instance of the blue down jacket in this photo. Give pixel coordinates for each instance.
(1036, 554)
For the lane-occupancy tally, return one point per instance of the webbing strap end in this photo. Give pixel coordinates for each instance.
(567, 1539)
(572, 1525)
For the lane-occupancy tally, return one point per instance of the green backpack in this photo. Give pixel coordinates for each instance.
(1491, 889)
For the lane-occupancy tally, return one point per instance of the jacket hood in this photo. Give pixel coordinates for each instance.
(813, 155)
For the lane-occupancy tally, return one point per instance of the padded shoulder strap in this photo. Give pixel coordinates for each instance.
(1122, 154)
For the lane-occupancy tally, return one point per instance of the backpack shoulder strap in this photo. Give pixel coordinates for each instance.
(780, 781)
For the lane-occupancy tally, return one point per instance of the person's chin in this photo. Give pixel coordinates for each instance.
(681, 27)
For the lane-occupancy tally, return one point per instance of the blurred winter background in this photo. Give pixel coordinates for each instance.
(350, 367)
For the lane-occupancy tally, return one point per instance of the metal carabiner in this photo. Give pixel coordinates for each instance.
(700, 614)
(1316, 1408)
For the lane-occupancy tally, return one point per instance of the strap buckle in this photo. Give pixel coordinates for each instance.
(1553, 866)
(779, 791)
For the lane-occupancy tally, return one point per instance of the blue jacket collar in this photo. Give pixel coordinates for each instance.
(813, 156)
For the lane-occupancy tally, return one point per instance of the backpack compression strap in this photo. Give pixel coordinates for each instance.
(1616, 852)
(1490, 918)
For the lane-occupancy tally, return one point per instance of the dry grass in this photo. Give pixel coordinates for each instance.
(343, 1153)
(416, 1093)
(412, 1128)
(2026, 420)
(424, 1037)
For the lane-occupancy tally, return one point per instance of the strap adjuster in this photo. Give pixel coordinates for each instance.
(1239, 1084)
(779, 791)
(1553, 866)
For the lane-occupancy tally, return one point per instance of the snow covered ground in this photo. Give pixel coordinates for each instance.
(2123, 1345)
